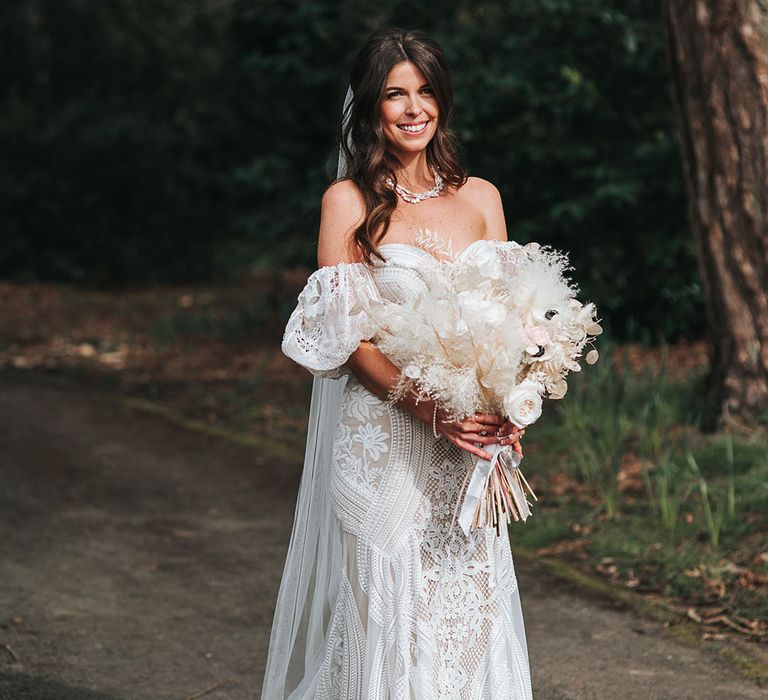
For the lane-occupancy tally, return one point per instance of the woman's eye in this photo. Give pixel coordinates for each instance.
(395, 93)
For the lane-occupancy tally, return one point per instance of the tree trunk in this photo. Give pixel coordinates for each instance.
(718, 51)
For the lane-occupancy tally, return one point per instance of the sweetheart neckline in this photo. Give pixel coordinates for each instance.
(436, 259)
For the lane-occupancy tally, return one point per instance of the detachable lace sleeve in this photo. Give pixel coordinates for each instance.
(331, 318)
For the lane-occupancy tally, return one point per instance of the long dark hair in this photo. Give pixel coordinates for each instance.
(368, 161)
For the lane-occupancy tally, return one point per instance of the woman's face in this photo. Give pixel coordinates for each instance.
(408, 102)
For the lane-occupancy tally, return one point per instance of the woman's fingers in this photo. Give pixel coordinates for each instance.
(469, 447)
(513, 432)
(478, 437)
(486, 429)
(509, 428)
(488, 418)
(476, 426)
(516, 446)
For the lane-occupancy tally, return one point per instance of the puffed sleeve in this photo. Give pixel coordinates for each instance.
(331, 318)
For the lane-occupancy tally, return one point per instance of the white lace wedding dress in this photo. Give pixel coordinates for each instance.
(420, 611)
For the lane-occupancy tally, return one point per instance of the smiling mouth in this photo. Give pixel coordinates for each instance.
(413, 129)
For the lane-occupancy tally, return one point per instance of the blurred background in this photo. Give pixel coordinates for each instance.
(163, 162)
(177, 141)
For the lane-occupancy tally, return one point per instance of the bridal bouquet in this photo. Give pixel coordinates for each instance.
(497, 330)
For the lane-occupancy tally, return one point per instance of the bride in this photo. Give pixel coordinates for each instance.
(382, 597)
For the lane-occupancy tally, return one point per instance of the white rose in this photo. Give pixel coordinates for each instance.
(523, 404)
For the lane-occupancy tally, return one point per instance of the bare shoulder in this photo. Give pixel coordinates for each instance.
(482, 187)
(488, 198)
(343, 193)
(342, 211)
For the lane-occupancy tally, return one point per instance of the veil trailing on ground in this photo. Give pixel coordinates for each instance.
(313, 566)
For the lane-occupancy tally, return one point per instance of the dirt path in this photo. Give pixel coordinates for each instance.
(141, 561)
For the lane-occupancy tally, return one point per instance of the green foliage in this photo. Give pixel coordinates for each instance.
(664, 476)
(697, 518)
(566, 106)
(176, 140)
(294, 64)
(595, 416)
(718, 507)
(204, 324)
(613, 413)
(667, 490)
(115, 124)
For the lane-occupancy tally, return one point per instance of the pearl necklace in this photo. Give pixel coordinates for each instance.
(416, 197)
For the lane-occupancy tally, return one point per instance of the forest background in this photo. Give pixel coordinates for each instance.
(169, 140)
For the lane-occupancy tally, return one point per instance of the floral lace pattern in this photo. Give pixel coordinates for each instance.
(330, 319)
(436, 605)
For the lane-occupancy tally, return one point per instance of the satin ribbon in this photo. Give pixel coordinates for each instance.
(479, 484)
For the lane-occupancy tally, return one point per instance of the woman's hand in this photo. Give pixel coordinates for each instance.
(479, 427)
(510, 434)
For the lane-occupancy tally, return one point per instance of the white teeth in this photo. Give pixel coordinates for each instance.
(418, 127)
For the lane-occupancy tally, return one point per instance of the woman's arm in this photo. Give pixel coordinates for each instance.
(376, 372)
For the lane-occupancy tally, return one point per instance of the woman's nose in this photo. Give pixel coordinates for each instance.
(414, 106)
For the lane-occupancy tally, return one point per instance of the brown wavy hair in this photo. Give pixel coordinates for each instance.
(368, 161)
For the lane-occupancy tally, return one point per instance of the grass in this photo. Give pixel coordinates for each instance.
(650, 501)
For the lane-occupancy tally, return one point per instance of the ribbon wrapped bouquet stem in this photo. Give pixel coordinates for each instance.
(496, 492)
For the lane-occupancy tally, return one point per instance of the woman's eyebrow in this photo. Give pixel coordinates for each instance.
(395, 87)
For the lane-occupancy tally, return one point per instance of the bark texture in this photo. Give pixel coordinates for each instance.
(718, 51)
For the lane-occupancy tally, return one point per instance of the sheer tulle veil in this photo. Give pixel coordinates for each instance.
(313, 565)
